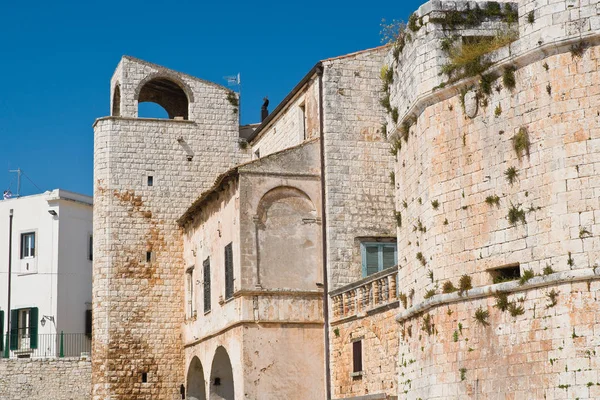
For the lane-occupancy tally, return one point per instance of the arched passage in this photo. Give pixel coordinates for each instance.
(289, 240)
(196, 389)
(116, 104)
(167, 94)
(221, 376)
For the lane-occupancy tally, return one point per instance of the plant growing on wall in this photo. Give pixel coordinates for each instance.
(428, 325)
(526, 276)
(498, 111)
(463, 374)
(398, 217)
(531, 17)
(429, 293)
(464, 284)
(548, 270)
(516, 214)
(501, 301)
(570, 261)
(521, 143)
(493, 200)
(448, 287)
(421, 258)
(435, 204)
(515, 310)
(553, 298)
(508, 78)
(511, 174)
(403, 299)
(481, 316)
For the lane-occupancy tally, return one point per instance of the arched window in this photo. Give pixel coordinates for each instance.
(167, 94)
(116, 105)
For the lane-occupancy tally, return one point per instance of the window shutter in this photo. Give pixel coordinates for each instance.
(389, 256)
(372, 259)
(14, 329)
(22, 253)
(206, 268)
(88, 323)
(33, 246)
(357, 356)
(228, 271)
(1, 331)
(33, 328)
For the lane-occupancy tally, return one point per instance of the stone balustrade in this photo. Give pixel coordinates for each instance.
(366, 294)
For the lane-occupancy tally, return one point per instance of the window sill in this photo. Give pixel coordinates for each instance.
(357, 375)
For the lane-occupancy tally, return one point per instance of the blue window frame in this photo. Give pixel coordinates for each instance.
(377, 256)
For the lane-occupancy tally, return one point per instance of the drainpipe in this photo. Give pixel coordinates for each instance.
(10, 227)
(319, 70)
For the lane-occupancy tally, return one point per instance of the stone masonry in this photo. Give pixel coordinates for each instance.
(138, 284)
(45, 379)
(464, 219)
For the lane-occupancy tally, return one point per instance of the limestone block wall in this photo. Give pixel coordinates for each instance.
(65, 379)
(379, 335)
(358, 162)
(138, 281)
(545, 352)
(297, 121)
(462, 215)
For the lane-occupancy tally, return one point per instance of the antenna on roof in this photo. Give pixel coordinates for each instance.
(236, 80)
(18, 171)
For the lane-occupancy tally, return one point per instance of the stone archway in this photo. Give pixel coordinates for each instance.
(221, 376)
(196, 389)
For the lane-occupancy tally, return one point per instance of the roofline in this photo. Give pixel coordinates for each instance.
(233, 172)
(318, 68)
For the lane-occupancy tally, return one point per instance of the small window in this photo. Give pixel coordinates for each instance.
(91, 248)
(506, 273)
(206, 271)
(150, 180)
(28, 245)
(228, 271)
(257, 153)
(377, 257)
(303, 121)
(148, 256)
(191, 307)
(88, 323)
(357, 356)
(144, 377)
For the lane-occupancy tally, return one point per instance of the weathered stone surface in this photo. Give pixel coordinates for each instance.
(45, 379)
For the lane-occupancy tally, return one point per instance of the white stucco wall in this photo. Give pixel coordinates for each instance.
(59, 280)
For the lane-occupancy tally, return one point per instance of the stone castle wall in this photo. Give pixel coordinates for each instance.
(138, 304)
(45, 379)
(455, 161)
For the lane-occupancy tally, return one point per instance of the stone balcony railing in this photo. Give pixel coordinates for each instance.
(365, 295)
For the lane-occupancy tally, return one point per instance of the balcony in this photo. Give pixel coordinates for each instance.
(375, 293)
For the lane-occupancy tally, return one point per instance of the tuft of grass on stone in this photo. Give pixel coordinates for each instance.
(548, 270)
(428, 325)
(403, 299)
(421, 258)
(493, 200)
(498, 111)
(511, 174)
(395, 115)
(578, 49)
(448, 287)
(393, 178)
(398, 217)
(549, 89)
(435, 204)
(570, 261)
(481, 316)
(464, 284)
(515, 310)
(583, 232)
(521, 143)
(531, 17)
(463, 374)
(430, 293)
(508, 78)
(553, 298)
(527, 275)
(502, 302)
(516, 214)
(430, 275)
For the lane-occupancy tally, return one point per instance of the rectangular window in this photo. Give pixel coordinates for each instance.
(357, 356)
(88, 323)
(228, 271)
(91, 248)
(28, 245)
(150, 180)
(302, 121)
(148, 256)
(206, 270)
(191, 307)
(506, 273)
(377, 256)
(24, 328)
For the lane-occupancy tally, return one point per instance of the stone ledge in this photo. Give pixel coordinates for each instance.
(577, 275)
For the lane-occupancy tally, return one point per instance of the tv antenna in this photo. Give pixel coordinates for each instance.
(18, 171)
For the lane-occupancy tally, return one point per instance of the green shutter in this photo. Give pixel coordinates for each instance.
(14, 329)
(389, 256)
(206, 268)
(372, 259)
(1, 331)
(33, 328)
(228, 271)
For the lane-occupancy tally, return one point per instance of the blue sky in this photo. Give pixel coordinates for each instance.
(57, 58)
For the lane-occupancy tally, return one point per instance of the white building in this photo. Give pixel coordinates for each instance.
(51, 264)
